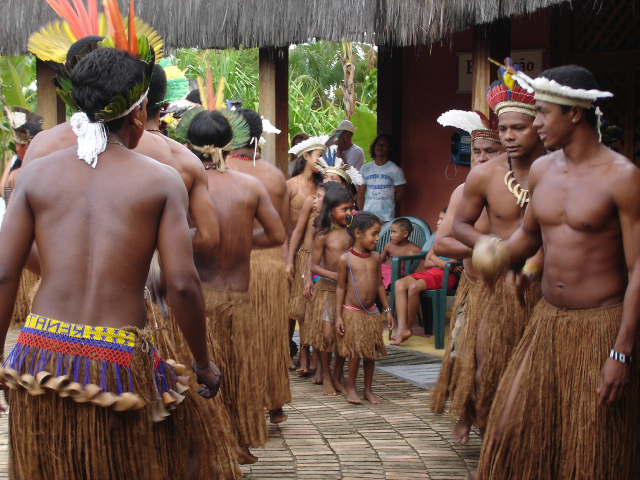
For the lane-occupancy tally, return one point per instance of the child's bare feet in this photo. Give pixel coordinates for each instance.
(244, 456)
(460, 432)
(352, 396)
(317, 378)
(304, 362)
(292, 364)
(401, 336)
(372, 397)
(339, 386)
(343, 380)
(313, 364)
(277, 416)
(328, 389)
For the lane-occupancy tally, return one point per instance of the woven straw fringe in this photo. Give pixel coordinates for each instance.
(503, 320)
(362, 335)
(297, 302)
(29, 283)
(556, 429)
(269, 290)
(210, 438)
(324, 301)
(445, 386)
(56, 437)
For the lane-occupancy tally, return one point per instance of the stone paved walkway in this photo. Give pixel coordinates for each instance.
(328, 438)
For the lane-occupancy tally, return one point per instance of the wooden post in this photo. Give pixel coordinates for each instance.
(47, 97)
(390, 70)
(274, 103)
(490, 41)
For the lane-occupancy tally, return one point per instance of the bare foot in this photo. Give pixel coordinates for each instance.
(292, 364)
(460, 432)
(401, 336)
(304, 363)
(343, 380)
(328, 389)
(277, 416)
(244, 456)
(372, 397)
(313, 365)
(472, 475)
(317, 378)
(352, 396)
(339, 387)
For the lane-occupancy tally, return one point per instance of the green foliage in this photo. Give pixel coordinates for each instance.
(366, 130)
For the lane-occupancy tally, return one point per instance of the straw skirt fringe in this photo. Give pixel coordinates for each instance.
(556, 429)
(211, 439)
(445, 386)
(53, 437)
(362, 335)
(29, 283)
(269, 290)
(323, 306)
(502, 321)
(297, 302)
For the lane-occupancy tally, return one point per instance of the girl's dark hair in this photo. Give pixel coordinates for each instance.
(330, 185)
(363, 221)
(444, 210)
(100, 76)
(254, 121)
(333, 198)
(298, 168)
(209, 128)
(372, 148)
(575, 77)
(157, 90)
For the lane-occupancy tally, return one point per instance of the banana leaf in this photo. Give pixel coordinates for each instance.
(13, 75)
(366, 130)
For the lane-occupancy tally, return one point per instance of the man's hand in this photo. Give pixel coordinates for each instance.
(517, 283)
(391, 321)
(340, 326)
(307, 291)
(614, 378)
(290, 270)
(210, 376)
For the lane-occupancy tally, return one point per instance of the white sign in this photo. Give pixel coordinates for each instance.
(530, 62)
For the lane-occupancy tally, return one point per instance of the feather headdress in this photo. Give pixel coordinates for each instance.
(473, 122)
(52, 42)
(551, 91)
(18, 118)
(312, 143)
(342, 169)
(177, 83)
(505, 95)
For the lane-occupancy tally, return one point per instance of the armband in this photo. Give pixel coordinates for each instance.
(531, 271)
(620, 357)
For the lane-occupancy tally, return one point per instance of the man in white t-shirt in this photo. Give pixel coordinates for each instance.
(347, 151)
(384, 181)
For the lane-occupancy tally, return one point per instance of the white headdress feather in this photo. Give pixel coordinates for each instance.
(267, 127)
(312, 143)
(545, 85)
(467, 121)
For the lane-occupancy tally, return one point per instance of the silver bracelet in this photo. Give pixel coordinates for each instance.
(386, 310)
(620, 357)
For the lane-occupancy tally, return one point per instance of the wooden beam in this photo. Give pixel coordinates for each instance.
(390, 60)
(46, 97)
(274, 103)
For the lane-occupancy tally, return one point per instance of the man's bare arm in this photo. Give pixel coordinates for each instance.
(445, 244)
(272, 233)
(470, 206)
(203, 213)
(399, 195)
(361, 195)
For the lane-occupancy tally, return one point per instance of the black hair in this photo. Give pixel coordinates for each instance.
(362, 221)
(298, 168)
(575, 77)
(444, 210)
(209, 128)
(330, 185)
(372, 147)
(254, 121)
(31, 128)
(80, 45)
(404, 224)
(193, 96)
(100, 76)
(157, 90)
(333, 198)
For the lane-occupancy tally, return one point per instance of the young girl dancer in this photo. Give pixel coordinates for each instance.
(358, 321)
(331, 241)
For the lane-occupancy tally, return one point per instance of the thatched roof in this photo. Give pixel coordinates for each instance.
(259, 23)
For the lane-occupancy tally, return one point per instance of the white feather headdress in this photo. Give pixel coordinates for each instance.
(342, 169)
(551, 91)
(312, 143)
(467, 121)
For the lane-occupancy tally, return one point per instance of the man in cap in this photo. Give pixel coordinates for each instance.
(347, 150)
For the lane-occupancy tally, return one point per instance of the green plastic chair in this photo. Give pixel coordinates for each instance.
(419, 235)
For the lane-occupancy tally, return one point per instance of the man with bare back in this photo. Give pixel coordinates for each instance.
(486, 145)
(567, 406)
(240, 199)
(201, 209)
(269, 285)
(97, 229)
(499, 186)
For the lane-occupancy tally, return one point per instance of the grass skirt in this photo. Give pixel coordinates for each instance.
(362, 335)
(210, 437)
(503, 321)
(323, 305)
(89, 416)
(29, 283)
(269, 290)
(297, 302)
(445, 386)
(556, 428)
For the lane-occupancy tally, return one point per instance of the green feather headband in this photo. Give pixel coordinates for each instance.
(236, 121)
(177, 83)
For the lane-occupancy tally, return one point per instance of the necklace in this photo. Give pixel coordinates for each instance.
(244, 157)
(116, 143)
(154, 130)
(522, 195)
(361, 255)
